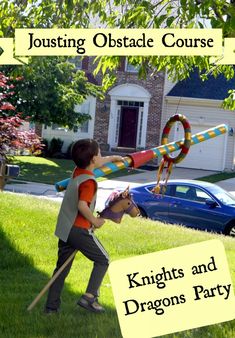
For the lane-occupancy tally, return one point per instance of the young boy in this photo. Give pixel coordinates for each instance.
(75, 226)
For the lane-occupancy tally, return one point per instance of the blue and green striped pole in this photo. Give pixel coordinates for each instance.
(137, 159)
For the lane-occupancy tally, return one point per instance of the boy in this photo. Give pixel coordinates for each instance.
(75, 226)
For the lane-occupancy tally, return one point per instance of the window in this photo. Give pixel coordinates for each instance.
(131, 68)
(223, 196)
(130, 103)
(56, 126)
(85, 109)
(117, 125)
(162, 188)
(77, 61)
(84, 127)
(201, 195)
(141, 127)
(191, 193)
(181, 191)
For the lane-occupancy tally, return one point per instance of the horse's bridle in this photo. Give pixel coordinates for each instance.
(133, 205)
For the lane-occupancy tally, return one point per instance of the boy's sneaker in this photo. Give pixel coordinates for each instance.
(90, 304)
(49, 311)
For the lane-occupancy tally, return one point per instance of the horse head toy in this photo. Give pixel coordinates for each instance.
(118, 204)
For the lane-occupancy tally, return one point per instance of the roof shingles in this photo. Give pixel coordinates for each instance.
(213, 88)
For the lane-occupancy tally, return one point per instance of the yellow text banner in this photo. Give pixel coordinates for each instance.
(173, 290)
(97, 42)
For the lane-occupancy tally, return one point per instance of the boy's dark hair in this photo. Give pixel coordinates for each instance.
(83, 151)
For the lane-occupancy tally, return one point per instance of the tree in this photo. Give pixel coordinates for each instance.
(168, 14)
(130, 14)
(52, 86)
(11, 137)
(51, 89)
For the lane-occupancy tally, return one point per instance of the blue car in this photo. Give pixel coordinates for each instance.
(195, 204)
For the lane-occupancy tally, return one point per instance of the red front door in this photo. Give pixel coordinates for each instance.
(128, 127)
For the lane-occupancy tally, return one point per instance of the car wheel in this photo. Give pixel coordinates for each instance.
(143, 213)
(231, 230)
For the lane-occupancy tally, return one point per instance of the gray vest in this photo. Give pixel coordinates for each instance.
(69, 207)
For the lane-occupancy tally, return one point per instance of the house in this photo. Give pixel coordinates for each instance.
(134, 112)
(129, 117)
(201, 103)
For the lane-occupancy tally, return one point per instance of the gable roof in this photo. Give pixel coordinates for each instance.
(213, 88)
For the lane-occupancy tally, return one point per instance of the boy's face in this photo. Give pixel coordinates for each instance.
(97, 160)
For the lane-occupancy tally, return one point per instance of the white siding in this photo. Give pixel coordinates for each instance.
(209, 155)
(204, 114)
(69, 136)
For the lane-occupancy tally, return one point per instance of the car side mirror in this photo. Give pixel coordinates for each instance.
(211, 203)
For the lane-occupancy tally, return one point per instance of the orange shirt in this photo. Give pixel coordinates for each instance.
(86, 193)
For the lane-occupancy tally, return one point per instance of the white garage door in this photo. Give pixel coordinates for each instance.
(208, 155)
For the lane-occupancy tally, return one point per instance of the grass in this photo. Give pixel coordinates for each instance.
(217, 177)
(50, 171)
(28, 255)
(43, 170)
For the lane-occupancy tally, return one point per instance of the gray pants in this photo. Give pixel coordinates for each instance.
(85, 241)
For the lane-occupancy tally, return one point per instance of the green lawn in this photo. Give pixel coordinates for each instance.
(50, 171)
(218, 177)
(28, 255)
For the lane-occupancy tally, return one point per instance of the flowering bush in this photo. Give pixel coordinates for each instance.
(11, 137)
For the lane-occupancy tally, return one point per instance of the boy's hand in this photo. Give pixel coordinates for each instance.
(117, 158)
(111, 158)
(99, 221)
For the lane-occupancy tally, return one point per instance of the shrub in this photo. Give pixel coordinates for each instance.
(68, 152)
(55, 147)
(45, 149)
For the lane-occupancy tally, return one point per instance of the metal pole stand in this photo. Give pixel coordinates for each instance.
(2, 173)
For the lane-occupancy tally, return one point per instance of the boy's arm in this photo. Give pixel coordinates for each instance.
(111, 158)
(87, 213)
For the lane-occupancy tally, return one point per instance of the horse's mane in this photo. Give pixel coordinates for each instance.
(114, 198)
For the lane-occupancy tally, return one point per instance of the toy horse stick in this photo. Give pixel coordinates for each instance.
(51, 281)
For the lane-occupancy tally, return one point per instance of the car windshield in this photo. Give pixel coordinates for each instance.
(223, 196)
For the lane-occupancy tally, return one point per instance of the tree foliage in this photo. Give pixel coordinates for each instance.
(51, 89)
(52, 86)
(130, 14)
(167, 14)
(42, 14)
